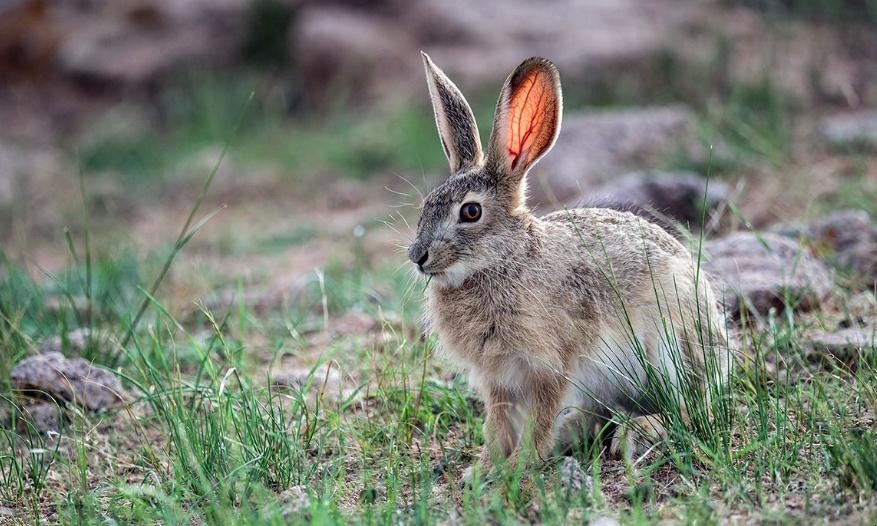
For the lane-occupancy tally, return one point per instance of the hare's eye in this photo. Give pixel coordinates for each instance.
(470, 212)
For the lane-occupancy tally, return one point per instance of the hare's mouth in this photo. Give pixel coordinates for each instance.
(436, 269)
(448, 275)
(431, 272)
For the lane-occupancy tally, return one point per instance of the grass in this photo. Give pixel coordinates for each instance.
(210, 439)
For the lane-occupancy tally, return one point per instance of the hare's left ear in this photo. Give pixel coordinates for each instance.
(454, 119)
(527, 119)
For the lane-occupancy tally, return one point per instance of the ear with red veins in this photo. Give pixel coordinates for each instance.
(527, 118)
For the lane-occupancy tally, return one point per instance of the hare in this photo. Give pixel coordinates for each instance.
(557, 319)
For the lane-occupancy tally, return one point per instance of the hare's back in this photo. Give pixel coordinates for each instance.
(613, 232)
(597, 253)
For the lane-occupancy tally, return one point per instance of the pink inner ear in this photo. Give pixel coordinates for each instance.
(517, 156)
(531, 117)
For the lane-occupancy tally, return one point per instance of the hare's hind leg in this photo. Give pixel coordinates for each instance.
(690, 378)
(640, 425)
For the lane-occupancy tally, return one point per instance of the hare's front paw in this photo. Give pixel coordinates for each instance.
(480, 469)
(635, 436)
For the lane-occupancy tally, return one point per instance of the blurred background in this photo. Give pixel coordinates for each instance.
(113, 114)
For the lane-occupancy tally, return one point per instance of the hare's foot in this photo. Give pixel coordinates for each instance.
(467, 479)
(636, 435)
(479, 469)
(483, 468)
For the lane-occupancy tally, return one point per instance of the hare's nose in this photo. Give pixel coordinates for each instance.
(419, 257)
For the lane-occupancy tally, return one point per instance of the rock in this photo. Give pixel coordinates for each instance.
(845, 237)
(863, 305)
(137, 42)
(603, 521)
(294, 501)
(324, 382)
(586, 38)
(765, 271)
(853, 240)
(43, 417)
(573, 478)
(337, 49)
(76, 380)
(678, 196)
(851, 132)
(595, 147)
(844, 345)
(372, 50)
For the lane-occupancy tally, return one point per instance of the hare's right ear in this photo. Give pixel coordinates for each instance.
(527, 119)
(454, 119)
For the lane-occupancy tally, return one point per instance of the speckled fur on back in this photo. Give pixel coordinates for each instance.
(547, 314)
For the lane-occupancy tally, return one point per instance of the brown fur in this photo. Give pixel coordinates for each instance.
(544, 312)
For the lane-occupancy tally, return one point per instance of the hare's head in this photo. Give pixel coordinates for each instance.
(469, 222)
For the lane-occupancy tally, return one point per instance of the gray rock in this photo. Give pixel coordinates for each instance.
(862, 305)
(603, 521)
(573, 478)
(844, 345)
(294, 501)
(76, 380)
(43, 417)
(586, 38)
(594, 148)
(677, 196)
(851, 237)
(764, 271)
(847, 238)
(855, 131)
(144, 41)
(373, 50)
(365, 55)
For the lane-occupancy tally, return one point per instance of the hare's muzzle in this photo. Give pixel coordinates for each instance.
(418, 255)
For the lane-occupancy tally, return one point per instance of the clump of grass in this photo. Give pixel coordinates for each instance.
(212, 442)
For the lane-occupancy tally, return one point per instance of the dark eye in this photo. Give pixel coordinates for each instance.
(470, 212)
